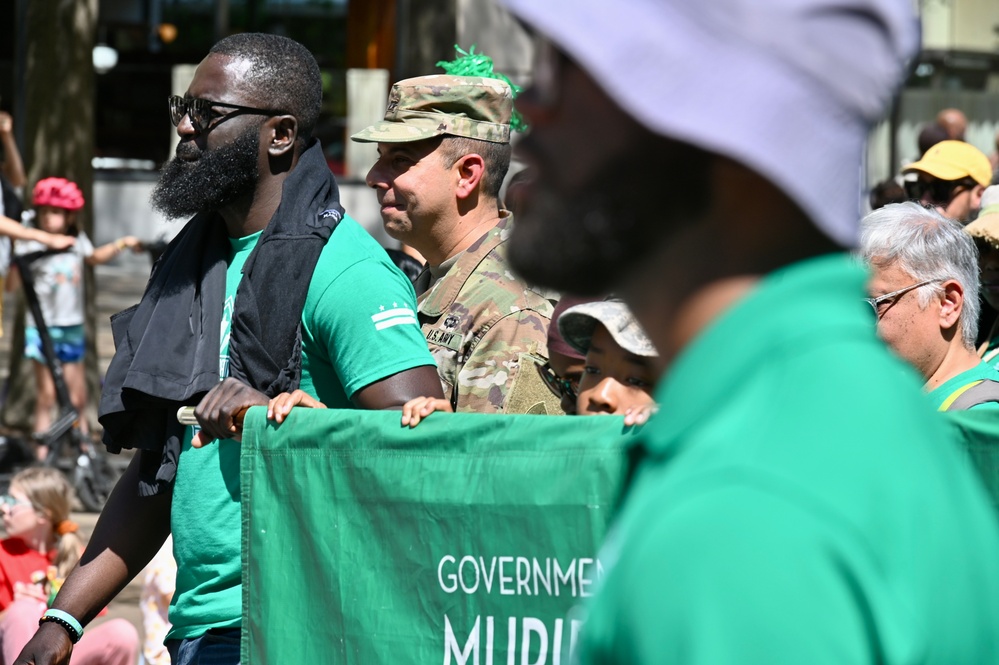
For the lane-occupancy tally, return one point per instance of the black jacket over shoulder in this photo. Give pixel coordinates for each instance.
(167, 346)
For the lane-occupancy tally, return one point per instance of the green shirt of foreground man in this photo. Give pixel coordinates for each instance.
(761, 508)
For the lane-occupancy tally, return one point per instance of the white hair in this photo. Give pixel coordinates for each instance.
(927, 245)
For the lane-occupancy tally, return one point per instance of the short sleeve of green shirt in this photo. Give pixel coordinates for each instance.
(359, 320)
(797, 501)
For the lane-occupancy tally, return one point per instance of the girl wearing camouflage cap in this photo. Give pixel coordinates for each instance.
(618, 374)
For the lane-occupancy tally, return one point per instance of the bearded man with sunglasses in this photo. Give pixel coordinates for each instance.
(951, 176)
(269, 285)
(924, 290)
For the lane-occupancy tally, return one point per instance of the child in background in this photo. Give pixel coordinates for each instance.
(619, 373)
(58, 283)
(13, 229)
(158, 586)
(41, 547)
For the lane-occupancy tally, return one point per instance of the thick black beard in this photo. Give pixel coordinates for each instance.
(217, 178)
(588, 243)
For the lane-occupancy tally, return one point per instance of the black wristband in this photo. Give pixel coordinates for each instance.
(74, 636)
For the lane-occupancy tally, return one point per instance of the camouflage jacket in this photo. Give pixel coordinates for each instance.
(487, 330)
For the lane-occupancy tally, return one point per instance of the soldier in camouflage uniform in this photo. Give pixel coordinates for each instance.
(444, 149)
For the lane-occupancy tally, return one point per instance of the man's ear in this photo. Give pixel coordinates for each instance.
(470, 170)
(280, 134)
(951, 303)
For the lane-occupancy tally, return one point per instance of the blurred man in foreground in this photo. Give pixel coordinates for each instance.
(796, 500)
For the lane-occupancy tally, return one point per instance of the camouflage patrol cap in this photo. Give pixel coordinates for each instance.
(428, 106)
(578, 323)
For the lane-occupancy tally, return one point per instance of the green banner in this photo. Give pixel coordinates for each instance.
(468, 540)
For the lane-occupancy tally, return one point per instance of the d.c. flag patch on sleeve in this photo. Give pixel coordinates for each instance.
(386, 318)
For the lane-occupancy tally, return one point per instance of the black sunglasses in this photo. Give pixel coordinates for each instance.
(560, 387)
(940, 191)
(201, 111)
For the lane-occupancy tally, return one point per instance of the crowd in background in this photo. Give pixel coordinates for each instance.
(491, 323)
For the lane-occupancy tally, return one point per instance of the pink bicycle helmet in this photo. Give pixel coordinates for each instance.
(58, 193)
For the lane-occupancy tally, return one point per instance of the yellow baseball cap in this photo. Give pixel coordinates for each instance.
(953, 160)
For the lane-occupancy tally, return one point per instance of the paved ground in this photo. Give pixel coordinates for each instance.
(117, 288)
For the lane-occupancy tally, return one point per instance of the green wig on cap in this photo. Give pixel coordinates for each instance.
(470, 63)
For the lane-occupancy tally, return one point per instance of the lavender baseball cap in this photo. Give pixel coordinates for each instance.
(790, 88)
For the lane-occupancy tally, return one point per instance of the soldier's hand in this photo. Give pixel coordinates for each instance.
(6, 123)
(220, 412)
(419, 408)
(279, 407)
(50, 645)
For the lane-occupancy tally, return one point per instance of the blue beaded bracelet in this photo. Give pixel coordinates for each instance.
(66, 620)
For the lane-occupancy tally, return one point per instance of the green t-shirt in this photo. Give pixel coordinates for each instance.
(796, 500)
(991, 355)
(943, 395)
(359, 327)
